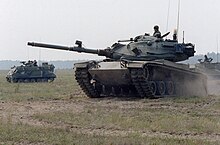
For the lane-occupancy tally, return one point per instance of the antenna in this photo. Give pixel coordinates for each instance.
(168, 13)
(178, 18)
(217, 48)
(183, 36)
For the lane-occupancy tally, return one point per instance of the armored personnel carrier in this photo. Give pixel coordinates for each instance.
(211, 69)
(31, 72)
(144, 66)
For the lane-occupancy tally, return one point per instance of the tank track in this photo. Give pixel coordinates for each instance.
(83, 78)
(31, 80)
(141, 83)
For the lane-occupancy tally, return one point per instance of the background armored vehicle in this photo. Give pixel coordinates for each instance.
(145, 67)
(31, 72)
(212, 70)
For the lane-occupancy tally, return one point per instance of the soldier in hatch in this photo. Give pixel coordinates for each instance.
(206, 59)
(157, 32)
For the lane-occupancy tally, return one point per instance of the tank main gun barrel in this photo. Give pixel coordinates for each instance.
(78, 48)
(75, 48)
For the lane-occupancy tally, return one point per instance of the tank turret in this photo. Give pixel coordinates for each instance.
(140, 48)
(143, 66)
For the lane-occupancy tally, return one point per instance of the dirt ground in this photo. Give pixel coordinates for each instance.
(23, 112)
(63, 96)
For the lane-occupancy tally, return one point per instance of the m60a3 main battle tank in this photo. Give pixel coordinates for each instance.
(145, 67)
(31, 72)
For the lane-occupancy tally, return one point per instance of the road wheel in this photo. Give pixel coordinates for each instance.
(161, 88)
(170, 88)
(153, 87)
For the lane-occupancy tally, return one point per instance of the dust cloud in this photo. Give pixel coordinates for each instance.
(194, 86)
(213, 85)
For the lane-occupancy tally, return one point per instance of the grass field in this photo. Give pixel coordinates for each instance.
(59, 113)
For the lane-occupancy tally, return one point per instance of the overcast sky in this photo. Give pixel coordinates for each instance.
(100, 23)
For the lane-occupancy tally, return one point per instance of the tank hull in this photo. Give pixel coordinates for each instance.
(147, 79)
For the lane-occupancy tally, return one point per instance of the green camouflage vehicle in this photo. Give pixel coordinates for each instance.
(31, 72)
(144, 66)
(211, 69)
